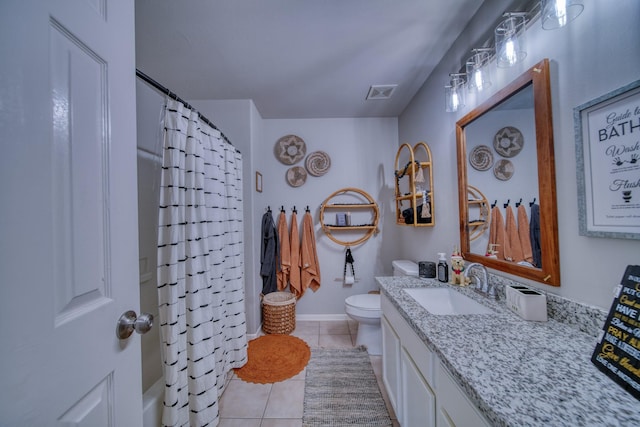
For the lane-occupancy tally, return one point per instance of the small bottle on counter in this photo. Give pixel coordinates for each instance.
(443, 268)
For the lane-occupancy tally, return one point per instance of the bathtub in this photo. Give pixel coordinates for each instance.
(152, 405)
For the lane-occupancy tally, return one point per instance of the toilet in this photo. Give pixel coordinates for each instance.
(365, 309)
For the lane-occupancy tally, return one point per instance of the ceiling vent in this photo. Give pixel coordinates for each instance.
(381, 91)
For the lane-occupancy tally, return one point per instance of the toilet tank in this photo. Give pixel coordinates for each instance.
(403, 267)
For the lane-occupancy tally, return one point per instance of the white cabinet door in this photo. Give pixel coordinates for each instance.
(69, 265)
(418, 400)
(391, 364)
(454, 408)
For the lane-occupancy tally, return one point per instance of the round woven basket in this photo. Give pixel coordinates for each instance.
(278, 313)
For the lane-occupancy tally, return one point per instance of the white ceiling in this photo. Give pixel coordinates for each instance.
(298, 58)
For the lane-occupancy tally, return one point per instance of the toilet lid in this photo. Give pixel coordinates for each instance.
(364, 301)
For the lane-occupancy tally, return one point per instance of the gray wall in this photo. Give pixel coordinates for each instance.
(362, 154)
(595, 54)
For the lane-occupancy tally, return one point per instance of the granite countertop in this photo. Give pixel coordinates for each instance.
(517, 372)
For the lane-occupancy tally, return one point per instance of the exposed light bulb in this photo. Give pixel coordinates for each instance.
(560, 9)
(511, 51)
(477, 77)
(510, 40)
(558, 13)
(454, 93)
(455, 99)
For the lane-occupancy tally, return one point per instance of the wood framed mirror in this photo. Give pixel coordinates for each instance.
(505, 149)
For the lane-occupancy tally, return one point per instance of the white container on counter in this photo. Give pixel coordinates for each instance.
(527, 303)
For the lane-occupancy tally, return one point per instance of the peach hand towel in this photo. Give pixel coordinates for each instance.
(285, 253)
(513, 237)
(310, 267)
(523, 232)
(497, 234)
(294, 246)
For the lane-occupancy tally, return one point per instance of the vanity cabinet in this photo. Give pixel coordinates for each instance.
(414, 185)
(421, 390)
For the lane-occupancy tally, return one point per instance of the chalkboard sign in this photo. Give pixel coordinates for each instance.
(618, 351)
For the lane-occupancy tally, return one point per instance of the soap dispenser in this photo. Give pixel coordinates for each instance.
(443, 268)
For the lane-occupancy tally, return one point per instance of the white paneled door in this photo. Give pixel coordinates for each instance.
(68, 214)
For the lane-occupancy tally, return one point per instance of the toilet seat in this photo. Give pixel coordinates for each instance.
(365, 309)
(364, 305)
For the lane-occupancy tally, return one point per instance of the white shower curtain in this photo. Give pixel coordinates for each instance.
(200, 267)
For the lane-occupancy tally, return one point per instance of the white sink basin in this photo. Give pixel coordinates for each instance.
(446, 301)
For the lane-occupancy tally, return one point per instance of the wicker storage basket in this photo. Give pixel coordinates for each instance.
(278, 313)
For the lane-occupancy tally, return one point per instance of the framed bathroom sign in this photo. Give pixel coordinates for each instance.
(607, 131)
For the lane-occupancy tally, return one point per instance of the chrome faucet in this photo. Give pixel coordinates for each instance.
(482, 283)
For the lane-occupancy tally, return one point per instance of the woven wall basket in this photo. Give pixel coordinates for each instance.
(278, 313)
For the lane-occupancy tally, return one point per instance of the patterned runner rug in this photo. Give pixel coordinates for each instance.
(341, 390)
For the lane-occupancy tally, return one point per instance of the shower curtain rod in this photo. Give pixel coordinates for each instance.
(174, 96)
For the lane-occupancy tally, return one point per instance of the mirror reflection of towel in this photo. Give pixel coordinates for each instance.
(534, 234)
(523, 232)
(497, 235)
(514, 239)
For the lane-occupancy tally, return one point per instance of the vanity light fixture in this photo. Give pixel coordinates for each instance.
(558, 13)
(478, 70)
(454, 93)
(509, 35)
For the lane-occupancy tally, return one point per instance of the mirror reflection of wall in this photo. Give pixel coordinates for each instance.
(501, 147)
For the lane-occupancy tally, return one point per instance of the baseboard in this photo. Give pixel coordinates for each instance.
(321, 317)
(308, 318)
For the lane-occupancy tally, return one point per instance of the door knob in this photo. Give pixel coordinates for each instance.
(129, 322)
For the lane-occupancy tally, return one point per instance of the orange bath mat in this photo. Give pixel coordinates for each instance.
(273, 358)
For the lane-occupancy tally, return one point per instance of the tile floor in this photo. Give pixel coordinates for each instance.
(280, 404)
